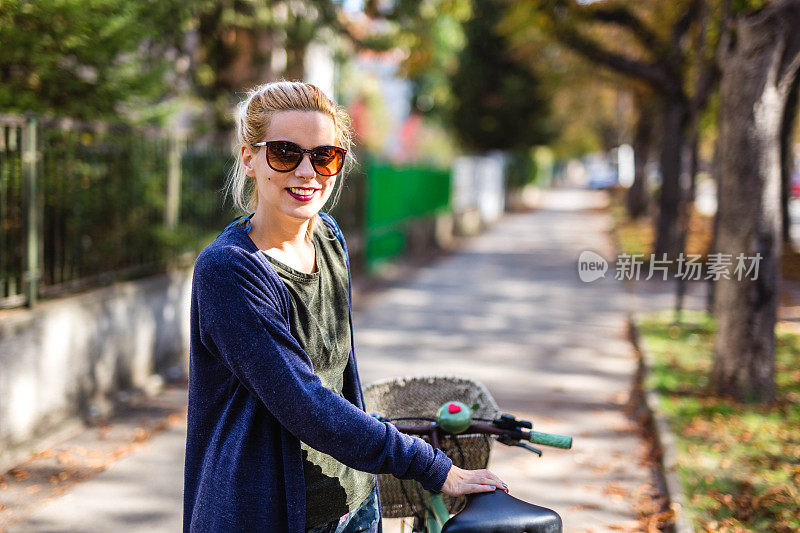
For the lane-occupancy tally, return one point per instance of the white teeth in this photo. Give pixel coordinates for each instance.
(302, 192)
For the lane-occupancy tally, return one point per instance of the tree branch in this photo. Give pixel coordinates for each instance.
(653, 74)
(727, 33)
(684, 23)
(624, 17)
(708, 71)
(706, 80)
(791, 57)
(789, 75)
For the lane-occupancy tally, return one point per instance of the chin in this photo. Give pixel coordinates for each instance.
(305, 212)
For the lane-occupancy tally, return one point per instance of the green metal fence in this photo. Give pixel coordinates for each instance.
(12, 210)
(202, 214)
(395, 196)
(86, 203)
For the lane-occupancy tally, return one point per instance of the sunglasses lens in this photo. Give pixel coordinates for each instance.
(328, 160)
(283, 156)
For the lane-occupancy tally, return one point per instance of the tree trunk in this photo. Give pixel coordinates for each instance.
(685, 206)
(638, 194)
(668, 238)
(712, 249)
(694, 165)
(753, 94)
(787, 160)
(295, 62)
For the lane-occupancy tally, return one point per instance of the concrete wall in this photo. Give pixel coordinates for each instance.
(67, 359)
(478, 192)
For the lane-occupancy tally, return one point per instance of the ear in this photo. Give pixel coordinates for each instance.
(247, 162)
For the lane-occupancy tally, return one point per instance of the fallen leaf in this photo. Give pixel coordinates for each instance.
(585, 506)
(19, 475)
(141, 434)
(631, 526)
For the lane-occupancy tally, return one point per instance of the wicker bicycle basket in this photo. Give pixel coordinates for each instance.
(422, 397)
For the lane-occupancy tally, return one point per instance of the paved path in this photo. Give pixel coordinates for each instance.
(140, 493)
(509, 310)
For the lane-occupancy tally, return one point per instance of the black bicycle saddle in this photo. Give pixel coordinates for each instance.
(498, 512)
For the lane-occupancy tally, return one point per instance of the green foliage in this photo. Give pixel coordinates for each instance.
(433, 91)
(242, 43)
(747, 6)
(521, 169)
(430, 35)
(661, 47)
(498, 102)
(100, 58)
(737, 463)
(82, 58)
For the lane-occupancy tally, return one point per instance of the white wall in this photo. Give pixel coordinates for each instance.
(69, 357)
(320, 68)
(478, 186)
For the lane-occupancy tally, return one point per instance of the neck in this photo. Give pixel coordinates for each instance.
(271, 230)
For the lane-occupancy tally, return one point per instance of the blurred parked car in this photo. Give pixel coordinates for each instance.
(601, 174)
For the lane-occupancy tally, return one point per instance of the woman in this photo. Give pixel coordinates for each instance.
(278, 439)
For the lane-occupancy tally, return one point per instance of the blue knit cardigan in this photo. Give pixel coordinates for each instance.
(253, 396)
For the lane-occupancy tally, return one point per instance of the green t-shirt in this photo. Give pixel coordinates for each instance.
(320, 321)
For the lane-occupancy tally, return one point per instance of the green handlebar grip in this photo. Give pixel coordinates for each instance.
(550, 439)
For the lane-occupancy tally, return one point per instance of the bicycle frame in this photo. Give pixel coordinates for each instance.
(436, 513)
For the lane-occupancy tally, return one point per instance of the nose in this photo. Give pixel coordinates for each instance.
(305, 169)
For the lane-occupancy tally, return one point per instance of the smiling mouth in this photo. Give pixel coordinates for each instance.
(302, 193)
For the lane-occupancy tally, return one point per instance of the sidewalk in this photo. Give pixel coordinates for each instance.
(507, 309)
(124, 475)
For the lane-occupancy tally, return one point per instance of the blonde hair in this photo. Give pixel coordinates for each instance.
(253, 117)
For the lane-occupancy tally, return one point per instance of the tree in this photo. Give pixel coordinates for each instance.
(638, 200)
(759, 61)
(648, 41)
(430, 34)
(86, 58)
(498, 103)
(589, 107)
(242, 43)
(787, 159)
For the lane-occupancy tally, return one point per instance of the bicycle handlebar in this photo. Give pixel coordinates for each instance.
(536, 437)
(430, 429)
(456, 418)
(551, 439)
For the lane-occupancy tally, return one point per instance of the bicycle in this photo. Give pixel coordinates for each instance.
(467, 419)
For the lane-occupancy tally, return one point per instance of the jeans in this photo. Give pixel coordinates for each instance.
(363, 519)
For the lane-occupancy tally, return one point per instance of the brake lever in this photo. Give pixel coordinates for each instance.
(528, 447)
(510, 441)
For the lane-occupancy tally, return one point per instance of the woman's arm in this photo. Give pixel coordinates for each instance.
(239, 319)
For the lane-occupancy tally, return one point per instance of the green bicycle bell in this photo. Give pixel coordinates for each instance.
(454, 417)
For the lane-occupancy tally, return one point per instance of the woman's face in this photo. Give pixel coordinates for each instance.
(302, 192)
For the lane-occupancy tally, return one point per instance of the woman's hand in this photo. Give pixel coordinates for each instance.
(460, 481)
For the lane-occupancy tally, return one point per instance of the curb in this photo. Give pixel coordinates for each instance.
(669, 463)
